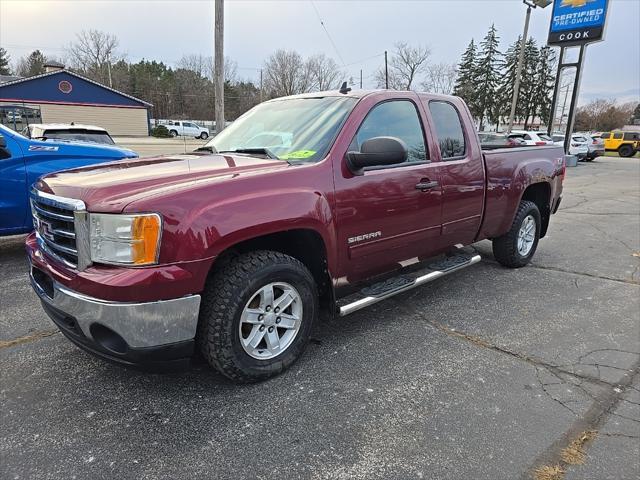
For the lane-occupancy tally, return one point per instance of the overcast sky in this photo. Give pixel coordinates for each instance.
(165, 30)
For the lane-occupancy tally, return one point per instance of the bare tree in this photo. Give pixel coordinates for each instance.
(204, 67)
(325, 73)
(407, 63)
(602, 114)
(93, 52)
(440, 78)
(395, 82)
(286, 73)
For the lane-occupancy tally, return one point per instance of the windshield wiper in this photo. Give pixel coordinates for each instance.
(254, 151)
(206, 149)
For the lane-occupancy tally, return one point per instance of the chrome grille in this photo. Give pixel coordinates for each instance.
(55, 220)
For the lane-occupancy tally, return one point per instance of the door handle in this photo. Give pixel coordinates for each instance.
(426, 185)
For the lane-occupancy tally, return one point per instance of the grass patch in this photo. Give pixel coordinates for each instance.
(574, 454)
(555, 472)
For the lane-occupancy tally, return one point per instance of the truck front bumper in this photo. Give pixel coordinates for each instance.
(152, 335)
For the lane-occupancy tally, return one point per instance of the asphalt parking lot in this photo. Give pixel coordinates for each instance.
(487, 374)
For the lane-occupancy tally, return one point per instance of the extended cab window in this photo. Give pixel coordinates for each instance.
(397, 118)
(448, 130)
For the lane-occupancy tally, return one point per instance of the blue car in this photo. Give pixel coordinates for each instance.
(23, 161)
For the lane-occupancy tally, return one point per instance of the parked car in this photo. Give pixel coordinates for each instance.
(187, 129)
(499, 140)
(233, 250)
(578, 145)
(14, 116)
(627, 144)
(531, 137)
(23, 160)
(594, 144)
(71, 131)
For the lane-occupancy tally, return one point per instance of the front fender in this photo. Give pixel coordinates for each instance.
(205, 230)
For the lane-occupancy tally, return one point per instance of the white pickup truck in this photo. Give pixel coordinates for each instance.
(186, 129)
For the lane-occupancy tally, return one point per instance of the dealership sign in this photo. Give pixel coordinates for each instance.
(575, 22)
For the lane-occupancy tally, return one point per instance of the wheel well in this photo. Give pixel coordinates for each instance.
(540, 194)
(305, 245)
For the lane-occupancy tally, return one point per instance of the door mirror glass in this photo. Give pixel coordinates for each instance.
(378, 151)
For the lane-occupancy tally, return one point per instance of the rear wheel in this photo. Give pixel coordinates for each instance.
(516, 248)
(173, 133)
(626, 151)
(256, 316)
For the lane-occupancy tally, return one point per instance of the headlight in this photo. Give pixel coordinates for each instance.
(125, 239)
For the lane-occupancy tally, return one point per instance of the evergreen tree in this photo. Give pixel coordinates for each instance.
(635, 116)
(544, 82)
(528, 82)
(4, 62)
(488, 77)
(32, 65)
(507, 85)
(466, 81)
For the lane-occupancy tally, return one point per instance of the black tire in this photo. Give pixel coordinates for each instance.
(626, 151)
(224, 298)
(204, 135)
(173, 133)
(505, 248)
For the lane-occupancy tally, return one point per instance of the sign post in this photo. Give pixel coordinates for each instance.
(574, 23)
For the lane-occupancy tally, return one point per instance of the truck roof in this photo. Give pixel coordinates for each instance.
(358, 93)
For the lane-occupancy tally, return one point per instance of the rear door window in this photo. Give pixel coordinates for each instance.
(617, 136)
(448, 126)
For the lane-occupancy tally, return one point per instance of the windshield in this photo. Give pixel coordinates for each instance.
(296, 129)
(93, 136)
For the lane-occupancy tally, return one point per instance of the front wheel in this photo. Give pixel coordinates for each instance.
(515, 248)
(204, 135)
(256, 316)
(626, 151)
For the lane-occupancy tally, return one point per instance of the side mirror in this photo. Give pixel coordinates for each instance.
(378, 151)
(3, 142)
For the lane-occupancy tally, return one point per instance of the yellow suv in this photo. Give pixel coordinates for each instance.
(625, 143)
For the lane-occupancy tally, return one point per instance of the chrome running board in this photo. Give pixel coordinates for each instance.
(404, 282)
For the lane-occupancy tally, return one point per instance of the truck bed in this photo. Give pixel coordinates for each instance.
(508, 171)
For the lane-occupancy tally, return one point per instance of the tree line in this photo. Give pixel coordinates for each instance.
(484, 77)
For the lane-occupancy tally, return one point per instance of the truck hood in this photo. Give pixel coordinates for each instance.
(110, 187)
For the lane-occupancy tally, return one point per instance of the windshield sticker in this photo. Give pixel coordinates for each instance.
(42, 148)
(298, 154)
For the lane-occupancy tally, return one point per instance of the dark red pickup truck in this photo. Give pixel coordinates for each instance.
(330, 200)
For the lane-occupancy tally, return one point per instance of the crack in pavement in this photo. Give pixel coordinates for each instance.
(594, 418)
(33, 337)
(601, 277)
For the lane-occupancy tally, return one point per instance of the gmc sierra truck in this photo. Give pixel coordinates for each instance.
(343, 199)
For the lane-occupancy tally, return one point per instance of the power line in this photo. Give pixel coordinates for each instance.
(327, 32)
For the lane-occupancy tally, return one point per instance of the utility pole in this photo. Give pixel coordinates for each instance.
(109, 69)
(360, 79)
(516, 87)
(218, 81)
(386, 71)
